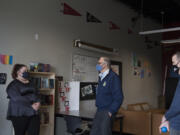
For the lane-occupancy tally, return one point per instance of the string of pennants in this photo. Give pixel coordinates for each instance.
(90, 18)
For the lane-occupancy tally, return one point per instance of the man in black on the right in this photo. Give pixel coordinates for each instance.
(172, 116)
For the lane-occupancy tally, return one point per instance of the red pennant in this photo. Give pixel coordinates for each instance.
(113, 26)
(70, 11)
(130, 31)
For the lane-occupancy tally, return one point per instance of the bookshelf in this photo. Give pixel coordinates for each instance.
(45, 84)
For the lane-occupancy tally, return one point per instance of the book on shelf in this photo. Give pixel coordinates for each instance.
(44, 117)
(43, 82)
(46, 99)
(36, 81)
(51, 83)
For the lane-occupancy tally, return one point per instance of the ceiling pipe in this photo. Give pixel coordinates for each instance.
(171, 41)
(159, 31)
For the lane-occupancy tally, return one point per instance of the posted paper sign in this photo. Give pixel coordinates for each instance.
(74, 95)
(3, 78)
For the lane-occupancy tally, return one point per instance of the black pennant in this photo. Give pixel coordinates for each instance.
(91, 18)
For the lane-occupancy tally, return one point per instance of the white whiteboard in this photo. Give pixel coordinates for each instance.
(84, 68)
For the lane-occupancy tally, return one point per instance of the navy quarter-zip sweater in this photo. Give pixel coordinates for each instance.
(109, 95)
(173, 114)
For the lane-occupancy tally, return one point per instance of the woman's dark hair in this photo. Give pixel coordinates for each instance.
(16, 68)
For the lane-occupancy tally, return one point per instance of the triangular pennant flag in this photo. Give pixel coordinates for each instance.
(113, 26)
(92, 18)
(69, 10)
(130, 31)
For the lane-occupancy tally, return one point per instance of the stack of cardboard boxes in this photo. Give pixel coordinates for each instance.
(140, 119)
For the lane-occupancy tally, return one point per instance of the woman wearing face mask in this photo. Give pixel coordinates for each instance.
(23, 103)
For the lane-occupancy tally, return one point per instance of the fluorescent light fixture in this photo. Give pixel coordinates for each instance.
(97, 48)
(93, 49)
(171, 41)
(159, 31)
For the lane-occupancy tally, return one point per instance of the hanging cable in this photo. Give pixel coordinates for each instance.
(162, 18)
(141, 28)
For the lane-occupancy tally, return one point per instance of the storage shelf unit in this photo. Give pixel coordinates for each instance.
(44, 80)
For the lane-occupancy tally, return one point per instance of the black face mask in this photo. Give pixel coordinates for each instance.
(175, 68)
(25, 75)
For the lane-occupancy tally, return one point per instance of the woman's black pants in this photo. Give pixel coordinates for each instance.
(24, 124)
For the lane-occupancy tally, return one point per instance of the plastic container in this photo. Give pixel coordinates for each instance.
(163, 129)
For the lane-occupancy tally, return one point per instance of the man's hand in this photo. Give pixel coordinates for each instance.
(164, 123)
(163, 119)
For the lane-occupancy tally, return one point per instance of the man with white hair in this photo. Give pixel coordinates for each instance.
(109, 98)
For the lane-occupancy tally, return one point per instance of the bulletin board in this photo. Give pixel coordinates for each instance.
(84, 68)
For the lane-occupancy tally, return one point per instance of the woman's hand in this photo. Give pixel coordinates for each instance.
(36, 106)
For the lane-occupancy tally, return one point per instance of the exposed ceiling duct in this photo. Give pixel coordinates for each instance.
(153, 9)
(165, 12)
